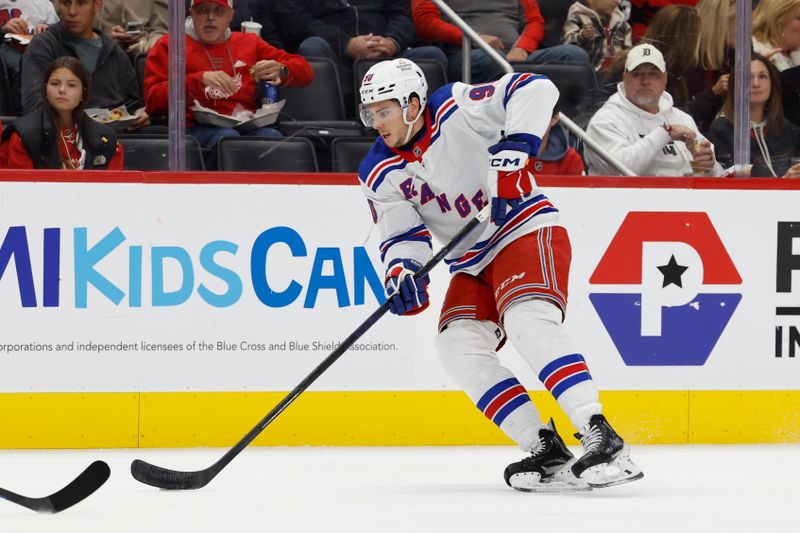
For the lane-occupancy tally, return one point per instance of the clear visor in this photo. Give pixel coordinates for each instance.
(370, 117)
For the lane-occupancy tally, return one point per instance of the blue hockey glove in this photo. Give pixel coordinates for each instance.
(509, 179)
(407, 295)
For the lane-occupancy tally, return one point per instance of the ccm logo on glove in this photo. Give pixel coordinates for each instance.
(508, 179)
(500, 162)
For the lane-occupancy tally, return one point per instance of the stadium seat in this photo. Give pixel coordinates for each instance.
(435, 73)
(554, 13)
(267, 154)
(575, 81)
(151, 152)
(347, 153)
(7, 120)
(319, 100)
(316, 111)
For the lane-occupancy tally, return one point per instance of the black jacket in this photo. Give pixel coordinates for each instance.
(338, 21)
(780, 148)
(114, 81)
(260, 11)
(39, 135)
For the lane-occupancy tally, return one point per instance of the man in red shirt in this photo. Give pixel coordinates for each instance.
(222, 70)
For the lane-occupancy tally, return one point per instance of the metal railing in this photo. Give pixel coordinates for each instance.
(471, 36)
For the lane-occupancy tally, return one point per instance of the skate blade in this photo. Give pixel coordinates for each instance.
(562, 481)
(619, 471)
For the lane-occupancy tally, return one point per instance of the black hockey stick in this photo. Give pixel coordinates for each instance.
(82, 486)
(165, 478)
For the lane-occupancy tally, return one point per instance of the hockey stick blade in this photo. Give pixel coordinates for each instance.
(167, 479)
(80, 488)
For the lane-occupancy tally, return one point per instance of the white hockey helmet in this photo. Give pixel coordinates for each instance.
(395, 79)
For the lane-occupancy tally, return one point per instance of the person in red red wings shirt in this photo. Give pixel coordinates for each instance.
(222, 70)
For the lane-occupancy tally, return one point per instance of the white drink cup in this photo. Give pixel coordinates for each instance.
(250, 26)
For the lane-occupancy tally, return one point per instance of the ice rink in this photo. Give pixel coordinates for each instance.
(458, 489)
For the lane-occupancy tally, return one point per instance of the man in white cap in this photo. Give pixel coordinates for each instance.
(640, 127)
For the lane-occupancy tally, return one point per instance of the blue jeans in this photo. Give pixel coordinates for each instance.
(483, 69)
(209, 137)
(319, 47)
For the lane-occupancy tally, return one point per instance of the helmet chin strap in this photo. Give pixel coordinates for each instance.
(409, 124)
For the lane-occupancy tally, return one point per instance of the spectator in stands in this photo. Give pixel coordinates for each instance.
(512, 27)
(708, 81)
(58, 134)
(135, 25)
(774, 141)
(21, 17)
(113, 76)
(643, 11)
(640, 127)
(222, 69)
(356, 29)
(776, 32)
(599, 27)
(556, 156)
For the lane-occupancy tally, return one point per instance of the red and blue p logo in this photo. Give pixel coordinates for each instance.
(666, 289)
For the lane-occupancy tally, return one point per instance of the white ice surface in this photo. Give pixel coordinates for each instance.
(447, 489)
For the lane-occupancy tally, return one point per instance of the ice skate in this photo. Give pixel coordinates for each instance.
(606, 460)
(547, 469)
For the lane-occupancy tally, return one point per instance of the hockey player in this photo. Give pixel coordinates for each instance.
(439, 161)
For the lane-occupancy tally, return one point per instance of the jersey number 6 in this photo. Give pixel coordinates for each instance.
(481, 91)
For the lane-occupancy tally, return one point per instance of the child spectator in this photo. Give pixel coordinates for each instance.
(58, 134)
(556, 157)
(599, 27)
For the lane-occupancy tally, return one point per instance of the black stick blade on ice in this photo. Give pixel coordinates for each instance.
(80, 488)
(165, 478)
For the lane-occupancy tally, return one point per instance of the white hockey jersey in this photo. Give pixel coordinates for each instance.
(440, 183)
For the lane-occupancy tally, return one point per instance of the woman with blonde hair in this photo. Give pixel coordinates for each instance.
(708, 81)
(776, 32)
(716, 40)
